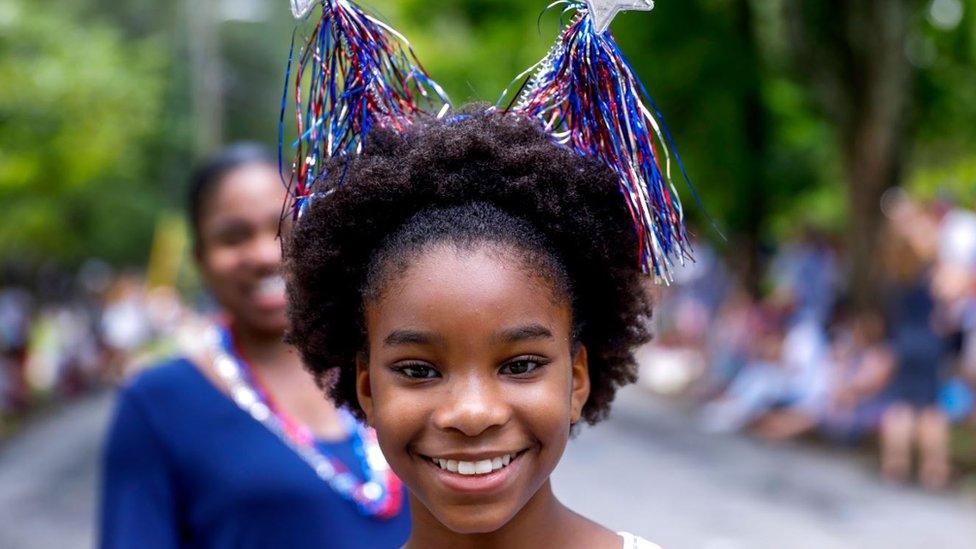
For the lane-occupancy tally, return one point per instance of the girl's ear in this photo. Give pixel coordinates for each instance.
(364, 393)
(581, 383)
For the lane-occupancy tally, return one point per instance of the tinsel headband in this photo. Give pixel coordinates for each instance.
(355, 73)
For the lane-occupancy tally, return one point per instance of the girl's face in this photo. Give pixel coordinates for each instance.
(239, 251)
(472, 383)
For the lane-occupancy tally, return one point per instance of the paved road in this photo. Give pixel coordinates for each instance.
(47, 478)
(646, 470)
(649, 471)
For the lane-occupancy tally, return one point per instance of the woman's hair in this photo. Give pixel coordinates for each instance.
(901, 259)
(477, 178)
(207, 176)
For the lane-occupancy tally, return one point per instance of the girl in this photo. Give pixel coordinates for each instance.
(471, 290)
(191, 460)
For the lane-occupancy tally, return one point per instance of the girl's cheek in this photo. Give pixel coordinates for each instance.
(399, 412)
(548, 399)
(544, 411)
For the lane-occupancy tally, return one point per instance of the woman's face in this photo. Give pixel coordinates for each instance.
(472, 383)
(239, 250)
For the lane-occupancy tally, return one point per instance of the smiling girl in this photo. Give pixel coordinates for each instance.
(470, 289)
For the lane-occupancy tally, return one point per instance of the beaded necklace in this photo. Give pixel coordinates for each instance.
(379, 497)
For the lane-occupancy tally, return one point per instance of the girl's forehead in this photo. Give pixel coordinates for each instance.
(484, 260)
(481, 286)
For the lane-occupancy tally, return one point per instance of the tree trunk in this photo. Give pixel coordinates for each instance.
(206, 70)
(853, 53)
(757, 140)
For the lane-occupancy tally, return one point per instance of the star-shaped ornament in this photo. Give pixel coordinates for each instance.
(603, 11)
(300, 8)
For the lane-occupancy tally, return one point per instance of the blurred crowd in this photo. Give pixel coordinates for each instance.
(803, 360)
(63, 334)
(800, 360)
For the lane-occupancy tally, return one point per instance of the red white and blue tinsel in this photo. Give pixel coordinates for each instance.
(353, 74)
(586, 94)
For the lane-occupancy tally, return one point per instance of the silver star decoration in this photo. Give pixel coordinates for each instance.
(603, 11)
(300, 8)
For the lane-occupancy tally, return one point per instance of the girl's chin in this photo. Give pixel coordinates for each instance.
(478, 504)
(476, 522)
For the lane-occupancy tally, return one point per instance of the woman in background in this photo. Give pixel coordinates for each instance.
(240, 448)
(914, 419)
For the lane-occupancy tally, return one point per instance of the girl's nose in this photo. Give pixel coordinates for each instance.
(475, 405)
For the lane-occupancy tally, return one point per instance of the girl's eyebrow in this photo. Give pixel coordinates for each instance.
(523, 333)
(410, 337)
(511, 335)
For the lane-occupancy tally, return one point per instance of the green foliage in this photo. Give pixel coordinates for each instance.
(77, 108)
(96, 103)
(474, 48)
(945, 162)
(703, 72)
(697, 64)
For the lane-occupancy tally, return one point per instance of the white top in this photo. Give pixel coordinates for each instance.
(635, 542)
(957, 239)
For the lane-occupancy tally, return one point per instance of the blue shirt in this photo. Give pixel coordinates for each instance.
(185, 467)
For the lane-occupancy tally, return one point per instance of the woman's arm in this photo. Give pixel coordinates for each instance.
(874, 374)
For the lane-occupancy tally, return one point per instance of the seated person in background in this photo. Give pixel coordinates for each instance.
(728, 344)
(805, 363)
(862, 368)
(759, 386)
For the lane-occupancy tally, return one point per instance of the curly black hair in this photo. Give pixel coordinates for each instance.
(478, 176)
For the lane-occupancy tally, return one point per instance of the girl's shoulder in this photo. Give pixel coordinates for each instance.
(636, 542)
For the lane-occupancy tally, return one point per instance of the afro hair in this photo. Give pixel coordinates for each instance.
(562, 209)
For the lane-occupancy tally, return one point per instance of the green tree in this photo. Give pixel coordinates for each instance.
(943, 47)
(738, 122)
(768, 101)
(78, 105)
(854, 53)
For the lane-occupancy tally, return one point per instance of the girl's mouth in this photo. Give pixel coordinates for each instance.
(476, 476)
(470, 468)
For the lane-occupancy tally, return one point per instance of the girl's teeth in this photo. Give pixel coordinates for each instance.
(448, 464)
(482, 467)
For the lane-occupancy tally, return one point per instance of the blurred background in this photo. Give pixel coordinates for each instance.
(833, 143)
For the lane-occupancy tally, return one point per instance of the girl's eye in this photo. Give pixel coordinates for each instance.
(521, 367)
(417, 371)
